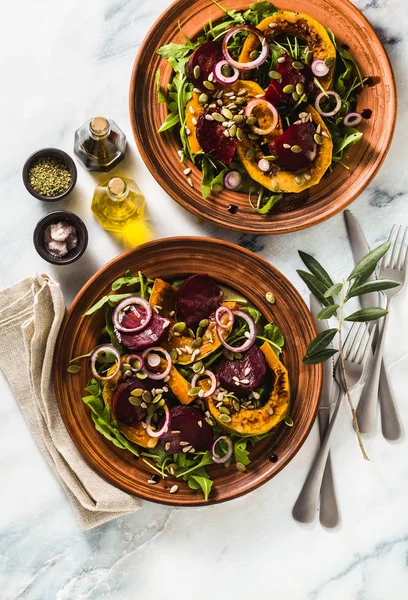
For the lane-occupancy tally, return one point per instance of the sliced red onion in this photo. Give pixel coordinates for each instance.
(222, 459)
(263, 55)
(220, 312)
(224, 79)
(352, 119)
(275, 115)
(213, 387)
(165, 427)
(133, 357)
(319, 68)
(150, 374)
(107, 349)
(232, 180)
(264, 165)
(131, 301)
(251, 335)
(324, 95)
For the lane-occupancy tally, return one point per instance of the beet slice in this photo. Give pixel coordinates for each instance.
(205, 57)
(198, 297)
(252, 359)
(125, 412)
(155, 331)
(210, 136)
(301, 135)
(186, 420)
(290, 76)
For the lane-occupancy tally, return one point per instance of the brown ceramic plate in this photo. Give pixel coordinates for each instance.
(335, 191)
(249, 275)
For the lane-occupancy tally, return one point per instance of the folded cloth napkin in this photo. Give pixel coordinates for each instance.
(31, 313)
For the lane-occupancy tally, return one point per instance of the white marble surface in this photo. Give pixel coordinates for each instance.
(62, 62)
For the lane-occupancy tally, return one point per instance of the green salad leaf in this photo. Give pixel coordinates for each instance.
(200, 479)
(258, 11)
(111, 299)
(273, 335)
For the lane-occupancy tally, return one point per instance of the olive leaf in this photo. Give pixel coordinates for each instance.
(316, 286)
(371, 286)
(316, 268)
(321, 341)
(367, 314)
(366, 266)
(333, 290)
(319, 357)
(327, 312)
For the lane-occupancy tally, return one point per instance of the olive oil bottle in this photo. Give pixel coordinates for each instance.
(119, 205)
(100, 144)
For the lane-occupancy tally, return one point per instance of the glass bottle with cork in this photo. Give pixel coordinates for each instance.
(100, 144)
(118, 205)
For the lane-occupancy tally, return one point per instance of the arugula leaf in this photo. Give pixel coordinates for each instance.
(273, 335)
(203, 460)
(171, 120)
(160, 95)
(254, 312)
(236, 16)
(177, 54)
(128, 279)
(241, 454)
(201, 480)
(259, 11)
(112, 298)
(208, 176)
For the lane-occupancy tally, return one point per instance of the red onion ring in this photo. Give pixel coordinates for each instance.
(324, 95)
(222, 78)
(213, 387)
(232, 180)
(252, 333)
(166, 424)
(275, 115)
(224, 310)
(135, 357)
(108, 348)
(264, 165)
(352, 119)
(319, 68)
(150, 374)
(248, 65)
(132, 300)
(222, 459)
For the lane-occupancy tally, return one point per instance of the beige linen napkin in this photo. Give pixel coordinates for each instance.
(31, 313)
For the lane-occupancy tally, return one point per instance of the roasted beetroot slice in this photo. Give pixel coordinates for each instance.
(125, 412)
(290, 76)
(198, 297)
(193, 428)
(254, 360)
(301, 135)
(205, 57)
(210, 136)
(155, 331)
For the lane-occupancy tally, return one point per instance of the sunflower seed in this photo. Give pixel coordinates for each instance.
(220, 102)
(188, 130)
(190, 182)
(197, 72)
(179, 352)
(240, 467)
(281, 59)
(187, 449)
(209, 117)
(307, 176)
(211, 77)
(167, 448)
(287, 146)
(183, 443)
(171, 469)
(272, 25)
(270, 410)
(318, 128)
(151, 481)
(200, 423)
(195, 353)
(187, 171)
(174, 489)
(324, 134)
(194, 121)
(303, 115)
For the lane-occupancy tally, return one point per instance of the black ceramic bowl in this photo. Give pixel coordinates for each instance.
(55, 217)
(52, 153)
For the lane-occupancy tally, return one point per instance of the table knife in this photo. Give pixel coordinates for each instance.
(329, 513)
(390, 422)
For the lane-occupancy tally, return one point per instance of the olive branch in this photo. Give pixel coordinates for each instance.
(334, 298)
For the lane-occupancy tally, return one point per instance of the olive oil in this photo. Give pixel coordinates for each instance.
(100, 144)
(119, 205)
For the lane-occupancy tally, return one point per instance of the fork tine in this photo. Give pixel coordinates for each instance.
(349, 343)
(359, 342)
(395, 250)
(362, 349)
(402, 257)
(386, 260)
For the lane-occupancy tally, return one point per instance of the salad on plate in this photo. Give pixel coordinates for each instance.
(264, 103)
(187, 374)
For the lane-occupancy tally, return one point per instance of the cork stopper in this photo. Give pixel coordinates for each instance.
(99, 125)
(117, 186)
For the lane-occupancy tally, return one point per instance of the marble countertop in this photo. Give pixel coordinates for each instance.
(63, 62)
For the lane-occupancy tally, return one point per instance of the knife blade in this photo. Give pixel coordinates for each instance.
(321, 326)
(359, 248)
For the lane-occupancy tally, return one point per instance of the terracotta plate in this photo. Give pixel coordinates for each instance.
(335, 191)
(249, 275)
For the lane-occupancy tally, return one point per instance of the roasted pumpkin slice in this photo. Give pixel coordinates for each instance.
(194, 110)
(164, 296)
(210, 342)
(258, 421)
(179, 386)
(302, 26)
(289, 181)
(136, 433)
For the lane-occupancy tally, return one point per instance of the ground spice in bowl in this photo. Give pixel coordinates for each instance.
(49, 176)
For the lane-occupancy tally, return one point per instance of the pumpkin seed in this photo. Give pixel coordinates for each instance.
(298, 65)
(157, 398)
(173, 355)
(217, 187)
(218, 117)
(190, 332)
(300, 88)
(300, 179)
(233, 130)
(275, 75)
(239, 135)
(209, 421)
(135, 401)
(288, 89)
(74, 368)
(317, 138)
(240, 467)
(179, 327)
(270, 297)
(162, 402)
(224, 410)
(204, 323)
(329, 61)
(296, 149)
(196, 343)
(147, 397)
(238, 355)
(289, 421)
(238, 119)
(253, 136)
(236, 404)
(295, 96)
(227, 113)
(239, 101)
(254, 54)
(228, 354)
(141, 375)
(309, 58)
(209, 85)
(198, 366)
(151, 409)
(251, 121)
(135, 363)
(250, 154)
(203, 98)
(225, 418)
(197, 72)
(194, 391)
(137, 392)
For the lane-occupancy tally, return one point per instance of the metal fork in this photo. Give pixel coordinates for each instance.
(356, 353)
(394, 266)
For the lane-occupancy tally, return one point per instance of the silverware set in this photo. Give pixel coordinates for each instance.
(364, 366)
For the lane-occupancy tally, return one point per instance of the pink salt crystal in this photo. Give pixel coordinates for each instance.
(61, 231)
(57, 249)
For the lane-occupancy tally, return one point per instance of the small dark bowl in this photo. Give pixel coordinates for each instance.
(52, 153)
(54, 217)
